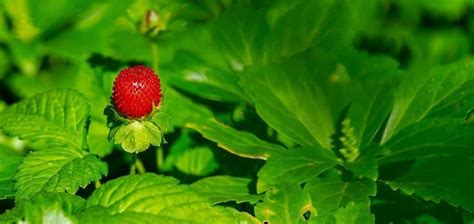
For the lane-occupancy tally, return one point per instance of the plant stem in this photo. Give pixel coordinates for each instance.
(140, 166)
(159, 158)
(133, 163)
(154, 52)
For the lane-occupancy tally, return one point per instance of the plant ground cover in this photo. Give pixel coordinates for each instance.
(272, 111)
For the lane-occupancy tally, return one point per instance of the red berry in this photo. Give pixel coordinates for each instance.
(136, 91)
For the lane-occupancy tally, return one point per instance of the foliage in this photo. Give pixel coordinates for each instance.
(330, 111)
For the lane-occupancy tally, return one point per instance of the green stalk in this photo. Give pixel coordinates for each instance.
(133, 164)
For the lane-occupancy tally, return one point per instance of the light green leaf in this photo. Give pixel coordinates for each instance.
(439, 178)
(198, 161)
(58, 169)
(8, 168)
(45, 208)
(241, 143)
(56, 117)
(221, 189)
(354, 213)
(331, 193)
(285, 203)
(137, 136)
(420, 93)
(155, 199)
(431, 137)
(294, 166)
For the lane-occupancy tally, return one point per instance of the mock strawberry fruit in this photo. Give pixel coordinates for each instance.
(137, 90)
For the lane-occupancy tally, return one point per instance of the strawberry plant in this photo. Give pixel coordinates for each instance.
(222, 111)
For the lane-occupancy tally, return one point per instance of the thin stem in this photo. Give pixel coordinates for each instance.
(154, 52)
(159, 158)
(133, 163)
(140, 166)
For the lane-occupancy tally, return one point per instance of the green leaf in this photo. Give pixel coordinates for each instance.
(8, 168)
(285, 203)
(45, 208)
(277, 91)
(198, 161)
(204, 78)
(366, 165)
(354, 213)
(370, 105)
(253, 35)
(150, 198)
(241, 143)
(294, 166)
(431, 137)
(330, 193)
(240, 33)
(97, 21)
(443, 177)
(221, 189)
(137, 136)
(56, 117)
(458, 104)
(420, 93)
(58, 169)
(177, 149)
(182, 110)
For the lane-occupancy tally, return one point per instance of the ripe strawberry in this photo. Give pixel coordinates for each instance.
(136, 91)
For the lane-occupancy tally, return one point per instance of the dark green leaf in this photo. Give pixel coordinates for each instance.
(432, 137)
(420, 93)
(443, 177)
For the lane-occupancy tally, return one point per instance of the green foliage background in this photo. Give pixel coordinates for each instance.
(274, 111)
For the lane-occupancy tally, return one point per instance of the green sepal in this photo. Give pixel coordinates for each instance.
(134, 135)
